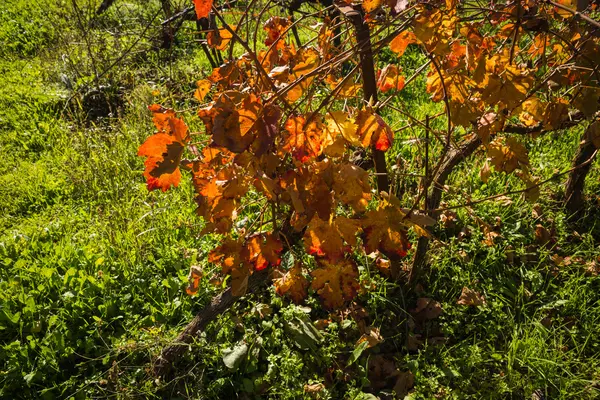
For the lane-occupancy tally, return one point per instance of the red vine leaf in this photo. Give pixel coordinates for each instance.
(275, 26)
(399, 44)
(371, 5)
(218, 194)
(231, 120)
(219, 38)
(227, 255)
(194, 280)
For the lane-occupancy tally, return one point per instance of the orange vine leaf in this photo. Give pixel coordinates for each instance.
(164, 149)
(291, 283)
(202, 8)
(373, 131)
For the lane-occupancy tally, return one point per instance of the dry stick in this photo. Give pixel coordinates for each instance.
(87, 43)
(576, 180)
(252, 55)
(118, 60)
(258, 18)
(576, 14)
(282, 35)
(212, 23)
(204, 46)
(292, 27)
(421, 123)
(426, 159)
(363, 38)
(516, 35)
(209, 313)
(331, 94)
(574, 120)
(510, 192)
(439, 180)
(295, 30)
(440, 177)
(455, 157)
(446, 148)
(446, 100)
(408, 81)
(577, 52)
(344, 56)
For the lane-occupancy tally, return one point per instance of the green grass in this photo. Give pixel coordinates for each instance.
(94, 267)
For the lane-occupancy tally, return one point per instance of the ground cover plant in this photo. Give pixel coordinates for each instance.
(474, 275)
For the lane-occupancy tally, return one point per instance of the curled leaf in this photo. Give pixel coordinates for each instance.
(275, 26)
(427, 309)
(194, 280)
(389, 78)
(471, 298)
(373, 131)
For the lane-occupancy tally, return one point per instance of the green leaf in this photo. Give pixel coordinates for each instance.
(248, 385)
(357, 352)
(234, 357)
(366, 396)
(30, 377)
(302, 331)
(287, 260)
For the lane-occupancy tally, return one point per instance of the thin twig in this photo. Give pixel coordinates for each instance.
(576, 14)
(510, 192)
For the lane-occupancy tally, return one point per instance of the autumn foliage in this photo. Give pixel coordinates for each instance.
(283, 124)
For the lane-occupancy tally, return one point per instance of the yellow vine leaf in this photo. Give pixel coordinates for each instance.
(336, 283)
(202, 89)
(291, 283)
